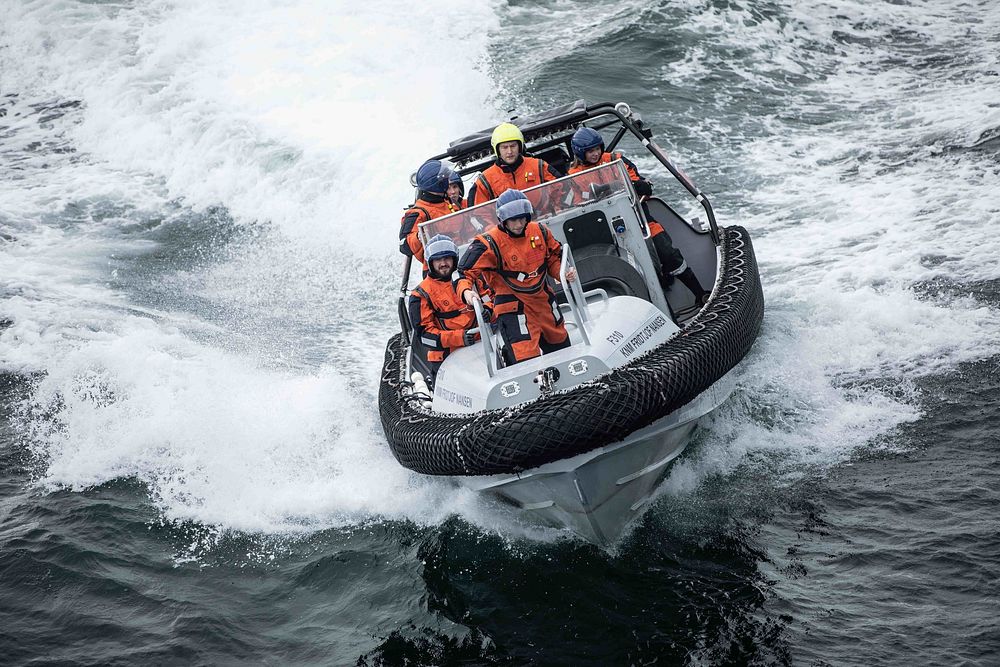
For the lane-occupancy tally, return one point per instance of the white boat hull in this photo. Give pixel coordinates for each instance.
(598, 494)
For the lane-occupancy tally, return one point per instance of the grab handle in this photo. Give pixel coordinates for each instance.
(486, 336)
(574, 293)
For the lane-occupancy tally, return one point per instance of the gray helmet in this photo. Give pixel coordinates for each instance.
(440, 247)
(513, 204)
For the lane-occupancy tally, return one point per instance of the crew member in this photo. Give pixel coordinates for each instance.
(432, 202)
(588, 151)
(441, 321)
(456, 191)
(511, 170)
(514, 259)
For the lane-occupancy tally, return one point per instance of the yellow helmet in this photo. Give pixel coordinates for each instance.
(506, 132)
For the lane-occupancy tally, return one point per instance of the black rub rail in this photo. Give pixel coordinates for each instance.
(595, 414)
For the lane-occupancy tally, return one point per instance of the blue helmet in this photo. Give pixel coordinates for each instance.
(513, 204)
(584, 139)
(433, 177)
(440, 247)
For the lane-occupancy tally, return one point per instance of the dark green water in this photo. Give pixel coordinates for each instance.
(196, 268)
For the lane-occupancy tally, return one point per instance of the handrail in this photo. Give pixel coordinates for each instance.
(574, 293)
(406, 275)
(485, 335)
(405, 325)
(597, 291)
(624, 114)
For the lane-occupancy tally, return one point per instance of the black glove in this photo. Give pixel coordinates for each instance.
(643, 188)
(469, 336)
(487, 313)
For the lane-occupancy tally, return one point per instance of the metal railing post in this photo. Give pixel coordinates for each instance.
(574, 293)
(485, 336)
(405, 325)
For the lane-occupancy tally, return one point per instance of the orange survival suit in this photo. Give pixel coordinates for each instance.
(515, 267)
(499, 177)
(670, 257)
(439, 318)
(428, 207)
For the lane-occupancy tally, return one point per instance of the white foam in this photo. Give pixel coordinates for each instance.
(308, 117)
(266, 421)
(851, 213)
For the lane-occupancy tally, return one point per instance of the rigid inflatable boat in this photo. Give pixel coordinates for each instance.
(579, 438)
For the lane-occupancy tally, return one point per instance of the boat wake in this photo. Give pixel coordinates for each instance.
(183, 180)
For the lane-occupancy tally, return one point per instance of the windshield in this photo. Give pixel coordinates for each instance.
(548, 199)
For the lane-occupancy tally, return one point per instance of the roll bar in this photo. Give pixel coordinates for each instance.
(549, 129)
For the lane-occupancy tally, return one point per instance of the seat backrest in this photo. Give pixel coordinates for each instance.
(588, 229)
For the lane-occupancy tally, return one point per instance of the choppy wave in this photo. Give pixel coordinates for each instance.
(223, 359)
(203, 200)
(197, 266)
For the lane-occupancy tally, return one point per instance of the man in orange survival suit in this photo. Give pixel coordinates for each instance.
(441, 322)
(588, 149)
(512, 170)
(514, 257)
(432, 202)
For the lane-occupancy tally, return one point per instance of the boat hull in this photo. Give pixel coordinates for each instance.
(585, 418)
(598, 494)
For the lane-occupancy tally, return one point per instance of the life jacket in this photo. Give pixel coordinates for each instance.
(608, 158)
(522, 264)
(495, 179)
(420, 211)
(580, 184)
(439, 315)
